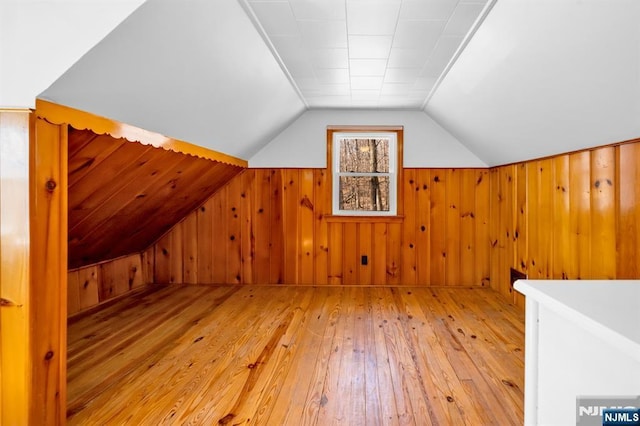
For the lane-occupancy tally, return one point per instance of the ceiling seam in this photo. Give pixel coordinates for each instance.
(263, 34)
(476, 25)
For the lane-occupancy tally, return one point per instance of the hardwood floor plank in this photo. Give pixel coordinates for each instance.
(289, 404)
(289, 355)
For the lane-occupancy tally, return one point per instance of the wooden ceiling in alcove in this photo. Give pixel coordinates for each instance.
(124, 195)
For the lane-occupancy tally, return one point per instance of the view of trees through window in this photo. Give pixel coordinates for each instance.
(364, 174)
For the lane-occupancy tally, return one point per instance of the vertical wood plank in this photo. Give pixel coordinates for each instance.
(580, 215)
(509, 229)
(220, 237)
(277, 228)
(322, 198)
(176, 254)
(467, 219)
(350, 258)
(409, 252)
(291, 218)
(603, 218)
(335, 253)
(423, 227)
(247, 218)
(234, 232)
(190, 237)
(73, 296)
(438, 227)
(394, 238)
(452, 197)
(533, 184)
(521, 231)
(628, 232)
(306, 227)
(494, 228)
(561, 214)
(521, 226)
(482, 243)
(15, 132)
(48, 225)
(379, 256)
(262, 213)
(162, 269)
(88, 286)
(365, 231)
(546, 218)
(502, 206)
(148, 262)
(204, 220)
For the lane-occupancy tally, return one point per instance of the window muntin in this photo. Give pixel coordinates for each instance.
(364, 173)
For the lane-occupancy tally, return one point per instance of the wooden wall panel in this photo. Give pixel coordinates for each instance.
(628, 232)
(124, 195)
(48, 266)
(579, 212)
(91, 285)
(482, 215)
(14, 267)
(438, 218)
(275, 226)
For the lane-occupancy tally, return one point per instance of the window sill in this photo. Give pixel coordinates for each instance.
(363, 219)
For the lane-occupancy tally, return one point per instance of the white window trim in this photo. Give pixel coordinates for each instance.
(393, 172)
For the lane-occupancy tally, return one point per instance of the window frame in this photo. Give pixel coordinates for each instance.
(395, 134)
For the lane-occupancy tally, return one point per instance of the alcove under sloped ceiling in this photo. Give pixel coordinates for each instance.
(125, 195)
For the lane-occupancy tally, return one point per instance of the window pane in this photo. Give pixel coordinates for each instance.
(364, 193)
(364, 155)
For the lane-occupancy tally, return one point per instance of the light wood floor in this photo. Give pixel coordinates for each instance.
(275, 355)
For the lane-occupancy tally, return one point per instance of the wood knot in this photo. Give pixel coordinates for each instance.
(450, 398)
(48, 356)
(509, 383)
(226, 419)
(51, 185)
(6, 302)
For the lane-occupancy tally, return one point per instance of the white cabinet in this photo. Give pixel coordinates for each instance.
(582, 339)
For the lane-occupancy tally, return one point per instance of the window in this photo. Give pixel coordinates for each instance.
(365, 173)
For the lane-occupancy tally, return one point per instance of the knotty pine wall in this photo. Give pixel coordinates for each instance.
(270, 226)
(573, 216)
(91, 285)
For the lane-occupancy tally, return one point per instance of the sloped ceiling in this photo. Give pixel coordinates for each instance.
(41, 39)
(197, 71)
(545, 77)
(124, 195)
(537, 77)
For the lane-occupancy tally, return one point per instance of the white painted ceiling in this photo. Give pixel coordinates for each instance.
(364, 53)
(538, 77)
(544, 77)
(41, 39)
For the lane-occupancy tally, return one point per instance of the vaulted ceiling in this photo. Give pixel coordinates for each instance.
(509, 79)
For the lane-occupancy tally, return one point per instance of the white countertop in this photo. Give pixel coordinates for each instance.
(608, 309)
